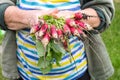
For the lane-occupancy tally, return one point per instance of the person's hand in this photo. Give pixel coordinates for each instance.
(65, 14)
(34, 18)
(16, 18)
(92, 21)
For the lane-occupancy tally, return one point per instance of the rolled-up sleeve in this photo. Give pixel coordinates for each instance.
(4, 4)
(103, 23)
(2, 11)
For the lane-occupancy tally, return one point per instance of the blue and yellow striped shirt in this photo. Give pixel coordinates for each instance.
(28, 56)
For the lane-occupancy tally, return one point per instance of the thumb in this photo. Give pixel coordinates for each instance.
(54, 12)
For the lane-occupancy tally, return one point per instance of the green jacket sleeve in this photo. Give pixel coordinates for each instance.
(3, 6)
(8, 1)
(106, 7)
(8, 54)
(99, 63)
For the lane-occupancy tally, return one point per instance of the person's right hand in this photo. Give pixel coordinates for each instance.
(33, 19)
(17, 19)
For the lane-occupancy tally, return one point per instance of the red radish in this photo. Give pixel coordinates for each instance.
(60, 34)
(80, 24)
(45, 40)
(66, 45)
(81, 32)
(34, 29)
(70, 22)
(36, 35)
(43, 30)
(53, 31)
(41, 22)
(66, 30)
(74, 31)
(83, 25)
(64, 42)
(78, 15)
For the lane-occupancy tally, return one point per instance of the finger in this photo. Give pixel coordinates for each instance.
(54, 12)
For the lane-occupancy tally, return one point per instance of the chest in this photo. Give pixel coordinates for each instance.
(49, 4)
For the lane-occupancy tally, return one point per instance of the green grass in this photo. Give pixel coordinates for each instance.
(1, 38)
(1, 77)
(111, 38)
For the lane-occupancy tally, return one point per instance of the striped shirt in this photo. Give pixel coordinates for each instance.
(28, 56)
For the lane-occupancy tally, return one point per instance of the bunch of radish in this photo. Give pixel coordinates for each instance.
(51, 31)
(58, 28)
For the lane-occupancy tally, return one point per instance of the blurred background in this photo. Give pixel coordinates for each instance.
(111, 38)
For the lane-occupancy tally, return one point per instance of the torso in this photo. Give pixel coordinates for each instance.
(28, 56)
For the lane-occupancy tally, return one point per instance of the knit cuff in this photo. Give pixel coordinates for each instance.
(3, 7)
(102, 20)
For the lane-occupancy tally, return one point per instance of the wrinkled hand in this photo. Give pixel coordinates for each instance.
(34, 18)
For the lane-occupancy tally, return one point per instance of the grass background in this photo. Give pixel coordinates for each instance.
(111, 38)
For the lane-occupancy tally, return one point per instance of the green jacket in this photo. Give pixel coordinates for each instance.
(99, 64)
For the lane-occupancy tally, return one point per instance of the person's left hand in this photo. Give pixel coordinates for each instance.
(65, 14)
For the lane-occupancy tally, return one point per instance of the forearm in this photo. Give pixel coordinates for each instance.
(16, 18)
